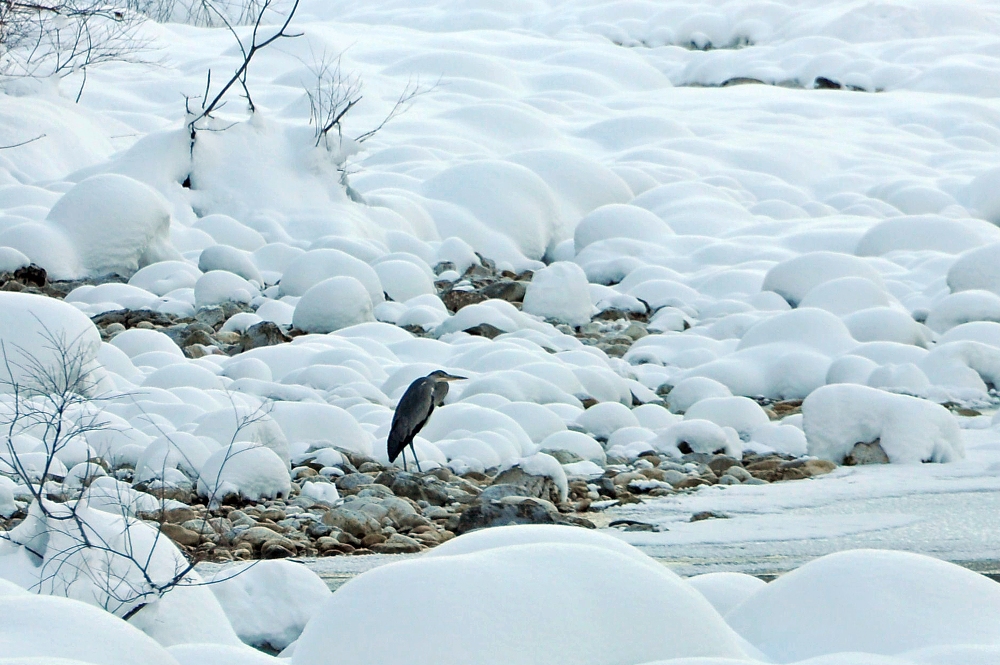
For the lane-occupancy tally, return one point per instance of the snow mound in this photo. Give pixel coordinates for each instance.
(910, 430)
(794, 278)
(115, 223)
(248, 470)
(619, 220)
(925, 232)
(690, 391)
(977, 269)
(220, 654)
(334, 303)
(49, 628)
(561, 292)
(873, 601)
(726, 590)
(320, 264)
(528, 534)
(32, 330)
(269, 602)
(741, 413)
(698, 436)
(668, 620)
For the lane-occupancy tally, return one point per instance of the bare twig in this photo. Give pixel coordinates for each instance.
(18, 145)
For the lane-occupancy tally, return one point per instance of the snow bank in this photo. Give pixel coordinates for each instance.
(558, 581)
(873, 601)
(910, 430)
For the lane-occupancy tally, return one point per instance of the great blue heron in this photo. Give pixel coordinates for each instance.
(413, 411)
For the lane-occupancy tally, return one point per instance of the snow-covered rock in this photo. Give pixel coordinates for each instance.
(872, 601)
(115, 224)
(562, 577)
(559, 291)
(909, 429)
(269, 602)
(332, 304)
(248, 470)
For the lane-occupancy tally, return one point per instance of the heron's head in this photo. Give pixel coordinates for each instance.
(441, 375)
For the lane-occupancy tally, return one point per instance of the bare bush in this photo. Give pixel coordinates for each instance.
(64, 37)
(87, 537)
(332, 93)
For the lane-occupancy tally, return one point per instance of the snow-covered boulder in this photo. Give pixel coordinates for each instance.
(560, 291)
(332, 304)
(909, 429)
(115, 223)
(220, 286)
(166, 276)
(34, 328)
(925, 232)
(245, 469)
(698, 436)
(692, 390)
(403, 280)
(872, 601)
(726, 590)
(48, 628)
(741, 413)
(230, 259)
(794, 278)
(557, 581)
(619, 220)
(963, 307)
(269, 602)
(318, 265)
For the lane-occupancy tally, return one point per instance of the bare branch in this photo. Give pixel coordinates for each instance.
(18, 145)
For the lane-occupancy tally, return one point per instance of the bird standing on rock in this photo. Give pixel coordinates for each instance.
(414, 410)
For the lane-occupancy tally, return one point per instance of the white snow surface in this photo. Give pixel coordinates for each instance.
(269, 602)
(669, 619)
(832, 245)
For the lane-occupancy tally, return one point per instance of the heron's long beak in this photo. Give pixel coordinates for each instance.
(450, 377)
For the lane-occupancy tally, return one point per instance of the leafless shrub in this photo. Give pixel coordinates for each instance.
(87, 544)
(64, 37)
(249, 47)
(332, 93)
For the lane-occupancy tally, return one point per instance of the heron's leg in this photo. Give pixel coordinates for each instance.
(414, 449)
(404, 458)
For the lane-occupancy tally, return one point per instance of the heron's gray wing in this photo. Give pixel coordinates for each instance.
(412, 412)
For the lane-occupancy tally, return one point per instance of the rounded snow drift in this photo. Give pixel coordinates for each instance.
(335, 303)
(533, 604)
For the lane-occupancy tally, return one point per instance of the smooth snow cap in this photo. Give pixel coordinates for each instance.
(116, 224)
(332, 304)
(269, 602)
(248, 470)
(557, 581)
(910, 430)
(873, 601)
(560, 291)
